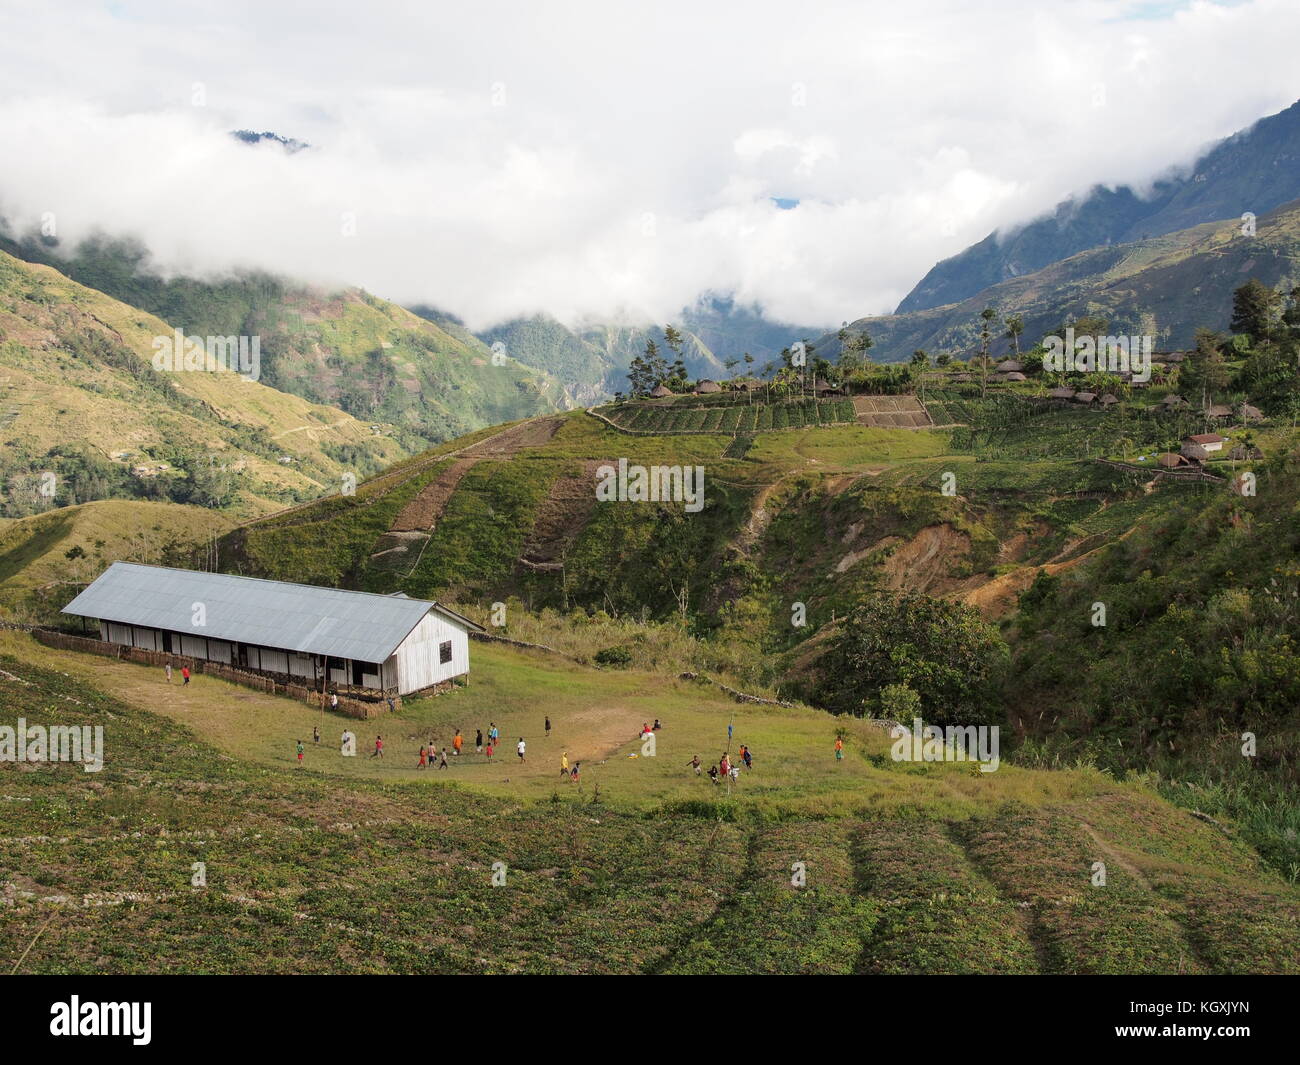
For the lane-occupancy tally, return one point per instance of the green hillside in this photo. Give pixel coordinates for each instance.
(1165, 286)
(348, 348)
(80, 399)
(47, 557)
(375, 866)
(846, 521)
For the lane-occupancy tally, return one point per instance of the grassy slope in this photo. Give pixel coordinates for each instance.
(74, 365)
(36, 576)
(374, 868)
(806, 515)
(346, 348)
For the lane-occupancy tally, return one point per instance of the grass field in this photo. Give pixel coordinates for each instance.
(360, 866)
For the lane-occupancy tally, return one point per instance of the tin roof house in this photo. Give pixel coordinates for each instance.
(314, 635)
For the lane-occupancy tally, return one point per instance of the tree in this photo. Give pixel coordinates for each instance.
(1015, 326)
(638, 377)
(854, 345)
(1255, 311)
(1291, 316)
(943, 651)
(1204, 370)
(899, 703)
(989, 316)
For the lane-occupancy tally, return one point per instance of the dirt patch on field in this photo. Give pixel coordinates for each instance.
(924, 563)
(854, 557)
(562, 516)
(997, 597)
(423, 512)
(533, 433)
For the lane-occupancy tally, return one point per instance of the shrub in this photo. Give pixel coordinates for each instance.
(613, 656)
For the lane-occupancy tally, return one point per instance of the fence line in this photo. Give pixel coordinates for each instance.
(1176, 474)
(354, 708)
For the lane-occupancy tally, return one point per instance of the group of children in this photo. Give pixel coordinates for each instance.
(725, 767)
(429, 754)
(566, 772)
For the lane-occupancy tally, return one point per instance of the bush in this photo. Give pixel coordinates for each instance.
(945, 653)
(613, 656)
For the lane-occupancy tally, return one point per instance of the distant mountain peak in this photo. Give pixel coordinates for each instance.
(1255, 169)
(289, 144)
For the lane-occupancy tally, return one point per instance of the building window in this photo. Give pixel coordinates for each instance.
(444, 652)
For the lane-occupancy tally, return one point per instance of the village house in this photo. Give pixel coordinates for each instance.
(387, 643)
(1208, 442)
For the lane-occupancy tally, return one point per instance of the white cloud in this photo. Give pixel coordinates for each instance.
(591, 158)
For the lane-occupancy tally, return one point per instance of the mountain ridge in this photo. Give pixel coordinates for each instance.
(1253, 170)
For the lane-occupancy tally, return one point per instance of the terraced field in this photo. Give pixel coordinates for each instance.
(380, 868)
(654, 417)
(891, 412)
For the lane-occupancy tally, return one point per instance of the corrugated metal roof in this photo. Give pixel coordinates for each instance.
(293, 617)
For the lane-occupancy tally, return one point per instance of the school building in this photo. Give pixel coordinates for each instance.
(313, 636)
